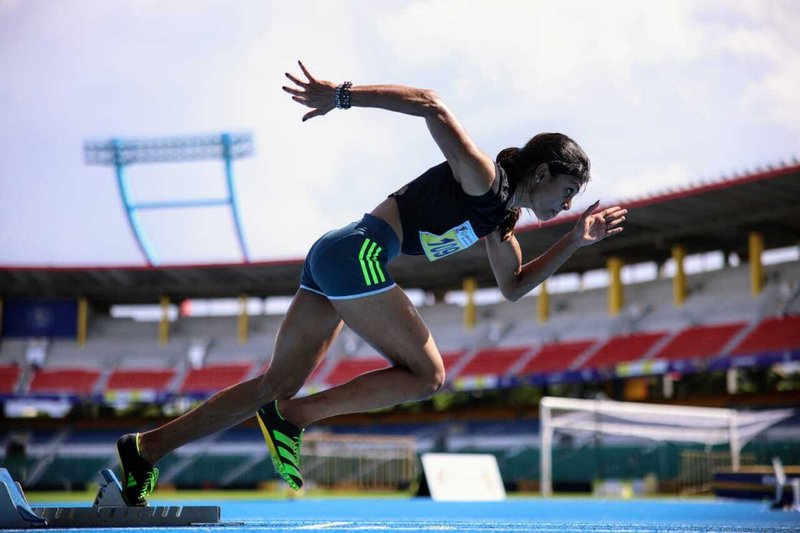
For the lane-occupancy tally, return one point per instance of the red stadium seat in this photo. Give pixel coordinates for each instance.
(66, 380)
(622, 349)
(555, 357)
(140, 379)
(347, 369)
(450, 359)
(773, 334)
(494, 361)
(9, 375)
(213, 378)
(699, 341)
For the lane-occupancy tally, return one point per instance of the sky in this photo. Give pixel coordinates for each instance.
(660, 94)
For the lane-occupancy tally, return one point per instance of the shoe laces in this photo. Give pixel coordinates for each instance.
(149, 483)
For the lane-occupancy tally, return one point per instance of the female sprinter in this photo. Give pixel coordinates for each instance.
(345, 280)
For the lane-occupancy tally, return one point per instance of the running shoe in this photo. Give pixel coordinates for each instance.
(138, 475)
(284, 441)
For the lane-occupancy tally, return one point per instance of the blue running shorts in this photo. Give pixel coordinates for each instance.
(351, 262)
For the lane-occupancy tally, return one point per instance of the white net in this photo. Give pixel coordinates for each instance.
(359, 461)
(708, 426)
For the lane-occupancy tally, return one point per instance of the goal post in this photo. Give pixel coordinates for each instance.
(705, 425)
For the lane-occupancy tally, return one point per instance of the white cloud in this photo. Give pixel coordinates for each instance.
(660, 179)
(657, 92)
(7, 6)
(763, 40)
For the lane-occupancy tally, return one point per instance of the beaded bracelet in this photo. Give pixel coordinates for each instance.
(341, 97)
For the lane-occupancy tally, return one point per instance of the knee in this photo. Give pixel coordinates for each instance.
(274, 387)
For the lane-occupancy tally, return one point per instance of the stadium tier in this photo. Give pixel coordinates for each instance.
(215, 377)
(719, 321)
(140, 379)
(694, 342)
(79, 381)
(623, 349)
(699, 341)
(494, 361)
(451, 360)
(556, 357)
(9, 376)
(347, 369)
(772, 334)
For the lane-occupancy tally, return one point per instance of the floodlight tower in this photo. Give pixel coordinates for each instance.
(122, 152)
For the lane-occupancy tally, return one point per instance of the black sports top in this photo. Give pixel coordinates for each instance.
(440, 219)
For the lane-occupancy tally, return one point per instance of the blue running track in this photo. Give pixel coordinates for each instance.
(516, 515)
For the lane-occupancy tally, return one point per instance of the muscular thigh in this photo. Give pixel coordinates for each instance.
(390, 323)
(309, 327)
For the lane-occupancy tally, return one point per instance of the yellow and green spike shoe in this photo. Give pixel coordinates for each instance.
(138, 475)
(284, 441)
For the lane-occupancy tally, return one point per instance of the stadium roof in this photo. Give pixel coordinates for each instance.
(710, 216)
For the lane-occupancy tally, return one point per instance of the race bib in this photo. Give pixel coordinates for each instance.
(450, 242)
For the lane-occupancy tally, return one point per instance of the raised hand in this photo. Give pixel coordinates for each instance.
(593, 228)
(313, 93)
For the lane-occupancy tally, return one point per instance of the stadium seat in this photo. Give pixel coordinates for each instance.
(772, 334)
(9, 376)
(213, 378)
(699, 341)
(451, 359)
(349, 368)
(494, 361)
(65, 380)
(555, 357)
(623, 348)
(140, 379)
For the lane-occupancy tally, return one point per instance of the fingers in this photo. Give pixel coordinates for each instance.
(612, 218)
(295, 92)
(306, 72)
(296, 80)
(616, 214)
(610, 212)
(314, 113)
(590, 209)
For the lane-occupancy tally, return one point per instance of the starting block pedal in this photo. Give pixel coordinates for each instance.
(108, 510)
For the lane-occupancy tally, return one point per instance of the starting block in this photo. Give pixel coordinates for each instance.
(108, 510)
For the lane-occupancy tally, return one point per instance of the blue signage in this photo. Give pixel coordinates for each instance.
(40, 318)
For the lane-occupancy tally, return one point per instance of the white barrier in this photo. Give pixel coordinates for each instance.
(463, 477)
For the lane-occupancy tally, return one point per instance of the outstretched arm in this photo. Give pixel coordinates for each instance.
(516, 280)
(471, 167)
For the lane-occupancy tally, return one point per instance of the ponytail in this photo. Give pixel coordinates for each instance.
(506, 227)
(508, 158)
